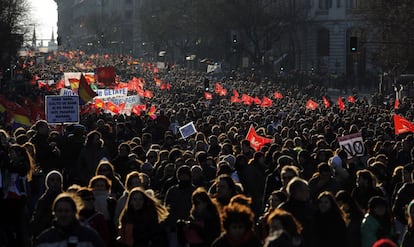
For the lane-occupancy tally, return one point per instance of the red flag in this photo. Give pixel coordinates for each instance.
(60, 84)
(90, 78)
(138, 108)
(234, 99)
(157, 81)
(235, 93)
(326, 102)
(151, 112)
(122, 106)
(34, 79)
(256, 141)
(246, 99)
(208, 96)
(165, 86)
(351, 99)
(396, 104)
(99, 103)
(148, 94)
(402, 125)
(112, 107)
(257, 101)
(311, 105)
(74, 83)
(266, 102)
(121, 85)
(223, 92)
(135, 84)
(341, 104)
(278, 95)
(106, 75)
(85, 91)
(218, 89)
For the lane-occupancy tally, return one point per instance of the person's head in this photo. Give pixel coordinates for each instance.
(152, 156)
(410, 214)
(276, 198)
(140, 200)
(54, 181)
(94, 138)
(105, 168)
(124, 149)
(242, 199)
(100, 183)
(281, 220)
(298, 189)
(226, 187)
(65, 209)
(133, 180)
(237, 220)
(18, 152)
(42, 128)
(201, 202)
(345, 201)
(87, 197)
(377, 206)
(184, 174)
(327, 202)
(365, 179)
(324, 170)
(288, 173)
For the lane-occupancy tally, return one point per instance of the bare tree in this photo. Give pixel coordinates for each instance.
(13, 28)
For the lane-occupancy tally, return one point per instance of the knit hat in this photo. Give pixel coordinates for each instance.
(384, 243)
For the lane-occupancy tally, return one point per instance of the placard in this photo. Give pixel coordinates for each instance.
(62, 109)
(187, 130)
(353, 144)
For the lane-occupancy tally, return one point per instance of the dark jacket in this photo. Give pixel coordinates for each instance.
(42, 215)
(248, 240)
(56, 236)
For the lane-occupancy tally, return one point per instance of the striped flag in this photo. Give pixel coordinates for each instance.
(85, 92)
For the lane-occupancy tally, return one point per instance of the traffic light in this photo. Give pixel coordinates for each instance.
(353, 44)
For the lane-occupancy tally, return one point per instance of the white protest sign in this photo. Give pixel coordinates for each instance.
(74, 75)
(62, 109)
(67, 92)
(187, 130)
(102, 93)
(160, 65)
(353, 144)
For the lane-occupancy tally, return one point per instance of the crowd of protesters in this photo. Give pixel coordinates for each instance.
(133, 180)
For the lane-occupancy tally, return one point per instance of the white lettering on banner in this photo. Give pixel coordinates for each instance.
(67, 92)
(111, 92)
(129, 100)
(62, 109)
(353, 145)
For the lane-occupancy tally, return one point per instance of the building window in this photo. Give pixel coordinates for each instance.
(323, 42)
(325, 4)
(338, 3)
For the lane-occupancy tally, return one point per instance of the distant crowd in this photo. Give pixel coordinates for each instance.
(134, 180)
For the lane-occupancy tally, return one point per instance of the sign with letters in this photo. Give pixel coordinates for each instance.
(187, 130)
(62, 109)
(353, 145)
